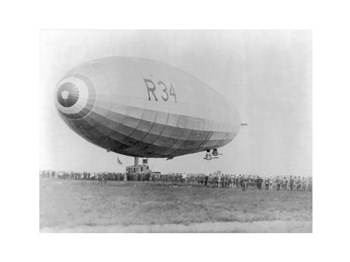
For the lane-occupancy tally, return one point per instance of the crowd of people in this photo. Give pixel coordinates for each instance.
(214, 180)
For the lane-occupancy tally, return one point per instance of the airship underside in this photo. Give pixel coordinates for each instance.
(144, 108)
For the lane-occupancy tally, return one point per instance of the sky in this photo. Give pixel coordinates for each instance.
(267, 75)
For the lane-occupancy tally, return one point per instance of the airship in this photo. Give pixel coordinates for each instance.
(145, 108)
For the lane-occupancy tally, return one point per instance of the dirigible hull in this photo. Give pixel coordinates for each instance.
(144, 108)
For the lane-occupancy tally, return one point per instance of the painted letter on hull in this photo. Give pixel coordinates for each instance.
(144, 108)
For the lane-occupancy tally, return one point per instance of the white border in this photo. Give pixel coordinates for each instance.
(19, 192)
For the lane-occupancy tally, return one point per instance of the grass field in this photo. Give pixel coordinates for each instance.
(90, 206)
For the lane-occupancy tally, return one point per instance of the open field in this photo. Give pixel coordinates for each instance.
(90, 206)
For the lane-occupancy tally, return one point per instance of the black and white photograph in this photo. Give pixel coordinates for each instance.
(175, 131)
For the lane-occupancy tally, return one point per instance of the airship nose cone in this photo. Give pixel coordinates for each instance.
(75, 96)
(67, 94)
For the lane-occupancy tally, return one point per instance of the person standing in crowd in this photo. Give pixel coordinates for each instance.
(238, 181)
(266, 181)
(271, 182)
(222, 180)
(284, 183)
(248, 181)
(295, 183)
(243, 183)
(291, 183)
(298, 183)
(303, 184)
(225, 182)
(213, 181)
(228, 180)
(309, 188)
(278, 181)
(206, 180)
(234, 181)
(209, 180)
(259, 182)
